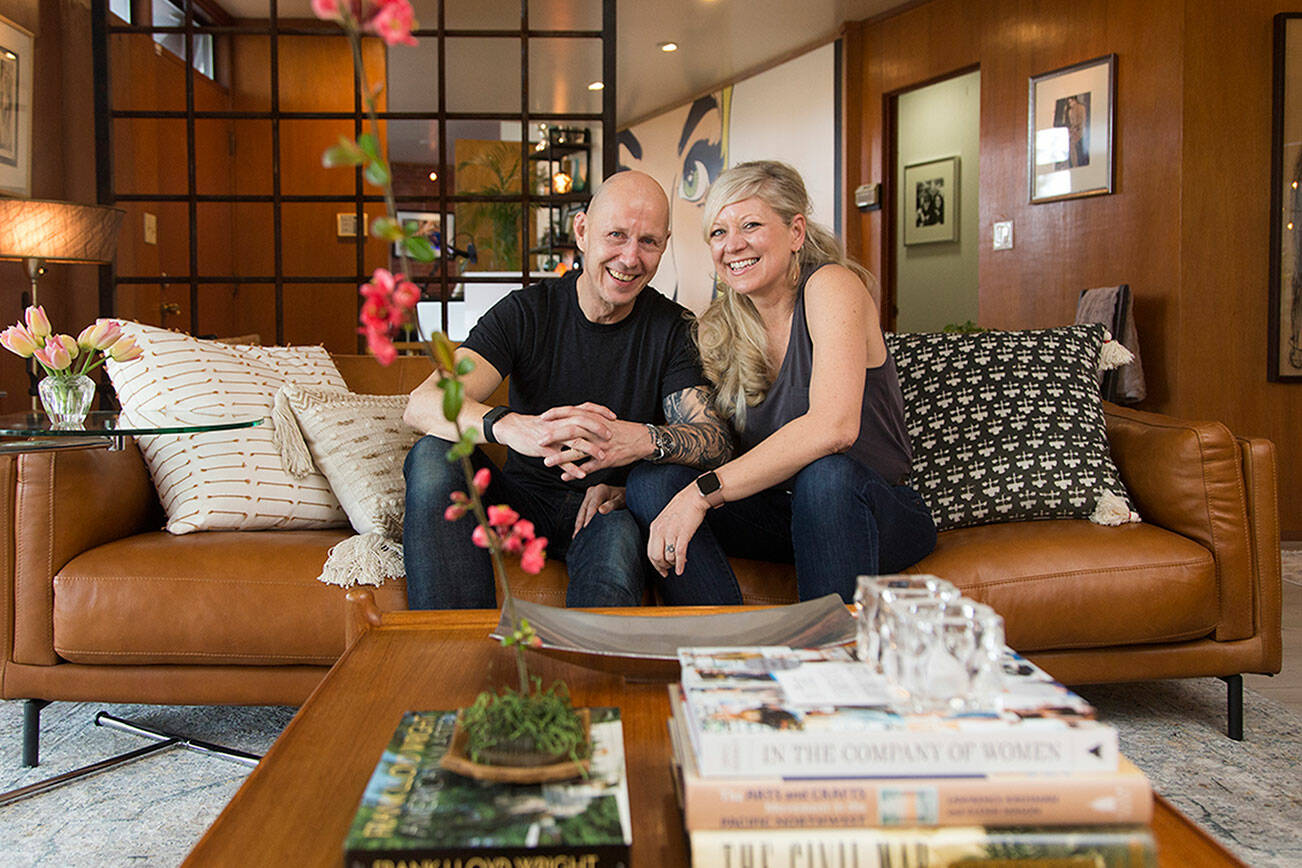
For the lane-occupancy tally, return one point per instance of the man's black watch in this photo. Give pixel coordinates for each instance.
(489, 419)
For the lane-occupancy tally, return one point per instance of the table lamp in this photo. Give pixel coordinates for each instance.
(38, 231)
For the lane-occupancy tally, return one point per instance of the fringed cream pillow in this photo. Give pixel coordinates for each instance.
(223, 480)
(359, 442)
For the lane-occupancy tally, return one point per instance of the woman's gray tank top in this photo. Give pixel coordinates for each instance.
(883, 442)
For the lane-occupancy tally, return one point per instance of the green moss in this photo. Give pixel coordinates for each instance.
(545, 718)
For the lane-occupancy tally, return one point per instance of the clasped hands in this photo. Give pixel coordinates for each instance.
(579, 440)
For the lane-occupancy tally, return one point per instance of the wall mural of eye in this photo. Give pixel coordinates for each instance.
(696, 181)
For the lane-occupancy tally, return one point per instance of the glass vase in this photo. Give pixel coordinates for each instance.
(66, 398)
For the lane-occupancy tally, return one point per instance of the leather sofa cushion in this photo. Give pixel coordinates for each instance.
(1071, 584)
(249, 597)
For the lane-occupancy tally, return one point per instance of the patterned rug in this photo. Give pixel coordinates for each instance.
(152, 811)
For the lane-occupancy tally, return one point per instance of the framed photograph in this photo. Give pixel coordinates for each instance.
(930, 201)
(1284, 336)
(431, 226)
(16, 74)
(346, 224)
(1069, 141)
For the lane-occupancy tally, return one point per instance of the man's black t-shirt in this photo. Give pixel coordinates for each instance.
(555, 356)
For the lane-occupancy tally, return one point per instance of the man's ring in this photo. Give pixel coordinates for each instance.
(669, 549)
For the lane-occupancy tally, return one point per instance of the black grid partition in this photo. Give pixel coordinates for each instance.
(364, 199)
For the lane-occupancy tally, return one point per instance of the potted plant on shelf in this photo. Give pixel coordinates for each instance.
(533, 731)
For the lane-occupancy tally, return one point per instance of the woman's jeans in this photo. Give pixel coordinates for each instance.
(606, 561)
(840, 520)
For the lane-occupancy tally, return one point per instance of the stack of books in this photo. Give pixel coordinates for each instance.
(791, 758)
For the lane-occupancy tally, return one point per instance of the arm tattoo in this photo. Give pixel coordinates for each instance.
(695, 434)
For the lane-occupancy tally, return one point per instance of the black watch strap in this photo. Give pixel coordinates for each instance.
(491, 417)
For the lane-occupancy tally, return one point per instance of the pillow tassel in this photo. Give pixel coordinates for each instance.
(288, 439)
(364, 559)
(1111, 510)
(1113, 354)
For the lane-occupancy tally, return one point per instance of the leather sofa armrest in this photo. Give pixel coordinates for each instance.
(1188, 477)
(1262, 486)
(65, 502)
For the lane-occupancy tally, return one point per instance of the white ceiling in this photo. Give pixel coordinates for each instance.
(718, 40)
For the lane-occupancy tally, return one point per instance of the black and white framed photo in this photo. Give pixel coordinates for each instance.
(1284, 336)
(929, 206)
(16, 72)
(1069, 141)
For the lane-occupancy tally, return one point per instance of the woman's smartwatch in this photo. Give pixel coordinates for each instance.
(711, 488)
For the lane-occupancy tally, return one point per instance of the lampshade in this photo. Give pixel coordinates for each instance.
(58, 231)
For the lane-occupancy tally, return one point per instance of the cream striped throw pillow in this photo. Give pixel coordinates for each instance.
(223, 480)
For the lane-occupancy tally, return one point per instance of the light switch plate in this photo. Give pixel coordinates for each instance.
(151, 228)
(1003, 235)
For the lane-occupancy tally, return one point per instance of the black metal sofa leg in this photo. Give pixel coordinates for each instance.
(32, 731)
(1234, 705)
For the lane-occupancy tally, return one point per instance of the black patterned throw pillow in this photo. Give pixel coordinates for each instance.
(1008, 425)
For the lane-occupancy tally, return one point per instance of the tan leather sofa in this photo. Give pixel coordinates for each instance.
(99, 604)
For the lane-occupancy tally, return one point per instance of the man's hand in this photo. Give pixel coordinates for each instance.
(598, 499)
(580, 453)
(560, 436)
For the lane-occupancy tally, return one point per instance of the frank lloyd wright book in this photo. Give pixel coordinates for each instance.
(1086, 798)
(818, 713)
(416, 812)
(1041, 846)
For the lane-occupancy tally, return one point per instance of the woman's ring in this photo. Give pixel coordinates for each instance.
(669, 549)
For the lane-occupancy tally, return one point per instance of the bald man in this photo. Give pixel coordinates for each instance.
(603, 375)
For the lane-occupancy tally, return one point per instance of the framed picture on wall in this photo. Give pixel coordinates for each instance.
(16, 73)
(431, 226)
(1069, 140)
(1284, 338)
(930, 201)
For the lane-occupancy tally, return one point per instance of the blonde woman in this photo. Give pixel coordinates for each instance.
(794, 350)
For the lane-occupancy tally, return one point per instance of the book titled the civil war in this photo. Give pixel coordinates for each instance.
(414, 812)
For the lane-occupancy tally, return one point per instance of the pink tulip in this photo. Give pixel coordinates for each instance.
(54, 356)
(124, 349)
(18, 340)
(482, 478)
(37, 322)
(99, 335)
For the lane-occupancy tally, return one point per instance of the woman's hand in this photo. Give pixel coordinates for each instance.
(673, 529)
(602, 499)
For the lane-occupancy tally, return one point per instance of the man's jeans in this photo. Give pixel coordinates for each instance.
(839, 520)
(445, 570)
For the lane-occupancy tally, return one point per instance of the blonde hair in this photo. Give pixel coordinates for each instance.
(730, 333)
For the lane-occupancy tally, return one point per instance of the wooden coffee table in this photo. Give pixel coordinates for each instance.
(295, 808)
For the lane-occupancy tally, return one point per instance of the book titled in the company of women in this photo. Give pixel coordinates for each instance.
(414, 812)
(810, 713)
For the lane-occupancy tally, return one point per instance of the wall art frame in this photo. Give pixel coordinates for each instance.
(16, 80)
(1284, 327)
(931, 201)
(1070, 130)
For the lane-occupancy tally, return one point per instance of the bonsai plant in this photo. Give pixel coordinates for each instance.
(527, 724)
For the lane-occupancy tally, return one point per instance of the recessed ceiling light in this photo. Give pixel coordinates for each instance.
(596, 85)
(668, 46)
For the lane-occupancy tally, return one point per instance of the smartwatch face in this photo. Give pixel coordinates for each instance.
(708, 483)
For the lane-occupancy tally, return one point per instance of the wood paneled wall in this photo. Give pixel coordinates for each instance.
(1187, 226)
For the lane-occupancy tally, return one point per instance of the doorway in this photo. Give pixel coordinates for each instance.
(937, 140)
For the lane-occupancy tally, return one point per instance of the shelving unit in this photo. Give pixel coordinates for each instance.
(564, 154)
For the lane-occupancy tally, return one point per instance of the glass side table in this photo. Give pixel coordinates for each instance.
(108, 427)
